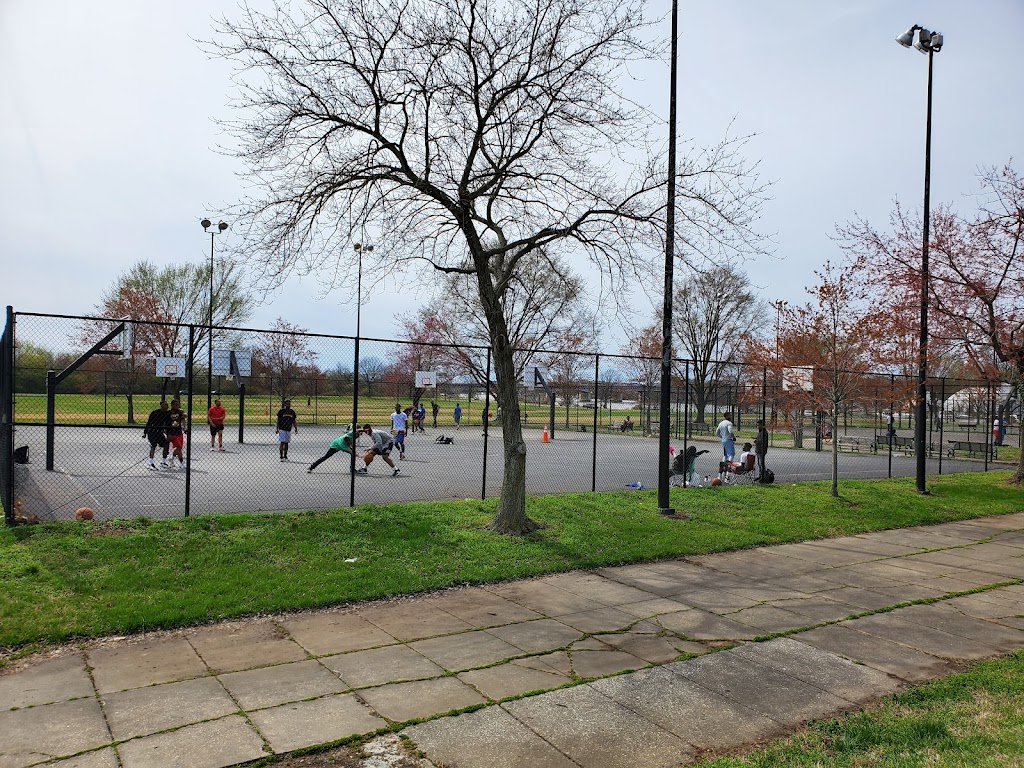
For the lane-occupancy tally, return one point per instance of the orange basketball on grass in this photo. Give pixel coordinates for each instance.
(716, 481)
(83, 513)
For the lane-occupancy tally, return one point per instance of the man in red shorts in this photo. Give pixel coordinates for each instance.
(215, 418)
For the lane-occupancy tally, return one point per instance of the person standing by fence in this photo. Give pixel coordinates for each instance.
(761, 448)
(434, 410)
(400, 425)
(458, 417)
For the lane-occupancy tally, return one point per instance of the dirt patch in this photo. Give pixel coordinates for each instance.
(382, 752)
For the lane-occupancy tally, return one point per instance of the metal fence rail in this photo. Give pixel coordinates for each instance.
(80, 405)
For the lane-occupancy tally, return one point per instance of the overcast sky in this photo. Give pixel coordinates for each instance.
(108, 136)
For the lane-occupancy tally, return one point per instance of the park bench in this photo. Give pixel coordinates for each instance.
(613, 426)
(699, 428)
(899, 443)
(853, 443)
(971, 448)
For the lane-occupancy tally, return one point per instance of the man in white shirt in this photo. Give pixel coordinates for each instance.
(728, 437)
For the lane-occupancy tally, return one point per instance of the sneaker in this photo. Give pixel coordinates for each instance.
(152, 466)
(283, 458)
(212, 450)
(395, 473)
(309, 471)
(361, 471)
(221, 449)
(164, 464)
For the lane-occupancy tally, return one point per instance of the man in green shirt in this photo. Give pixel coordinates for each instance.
(343, 444)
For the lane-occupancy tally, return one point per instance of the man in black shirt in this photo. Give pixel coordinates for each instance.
(156, 432)
(286, 424)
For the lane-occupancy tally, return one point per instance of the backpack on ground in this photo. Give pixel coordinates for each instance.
(768, 477)
(443, 440)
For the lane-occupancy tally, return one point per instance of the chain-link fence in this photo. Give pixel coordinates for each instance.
(82, 407)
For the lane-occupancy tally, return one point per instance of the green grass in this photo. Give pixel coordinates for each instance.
(77, 579)
(974, 718)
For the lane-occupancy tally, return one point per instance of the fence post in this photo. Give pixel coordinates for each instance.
(990, 406)
(7, 417)
(593, 462)
(487, 409)
(892, 410)
(355, 423)
(51, 416)
(942, 419)
(188, 425)
(686, 419)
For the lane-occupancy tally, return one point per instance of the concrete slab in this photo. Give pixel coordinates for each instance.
(510, 679)
(557, 662)
(596, 732)
(818, 609)
(142, 711)
(719, 601)
(865, 599)
(650, 648)
(774, 694)
(45, 682)
(654, 607)
(600, 620)
(949, 619)
(933, 641)
(480, 608)
(544, 598)
(136, 664)
(33, 735)
(235, 646)
(270, 686)
(770, 619)
(320, 721)
(537, 636)
(399, 702)
(487, 738)
(593, 664)
(411, 620)
(693, 713)
(700, 625)
(322, 634)
(900, 661)
(213, 744)
(824, 670)
(466, 650)
(600, 588)
(101, 758)
(390, 664)
(981, 608)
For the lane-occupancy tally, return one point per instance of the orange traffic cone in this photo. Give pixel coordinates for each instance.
(545, 437)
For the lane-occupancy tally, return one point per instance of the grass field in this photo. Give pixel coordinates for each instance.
(79, 579)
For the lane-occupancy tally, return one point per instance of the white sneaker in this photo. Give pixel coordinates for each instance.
(164, 464)
(395, 473)
(153, 466)
(212, 450)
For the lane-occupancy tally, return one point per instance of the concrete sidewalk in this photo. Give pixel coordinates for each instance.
(237, 691)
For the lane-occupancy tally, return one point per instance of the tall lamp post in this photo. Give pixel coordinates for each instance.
(929, 43)
(360, 249)
(664, 423)
(206, 224)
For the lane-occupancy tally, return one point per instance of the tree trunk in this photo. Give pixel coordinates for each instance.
(834, 490)
(1018, 476)
(511, 517)
(131, 407)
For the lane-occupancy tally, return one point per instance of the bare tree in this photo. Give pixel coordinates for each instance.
(284, 353)
(717, 311)
(543, 301)
(161, 301)
(474, 133)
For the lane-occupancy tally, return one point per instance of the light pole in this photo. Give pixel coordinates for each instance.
(929, 43)
(664, 423)
(360, 249)
(206, 224)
